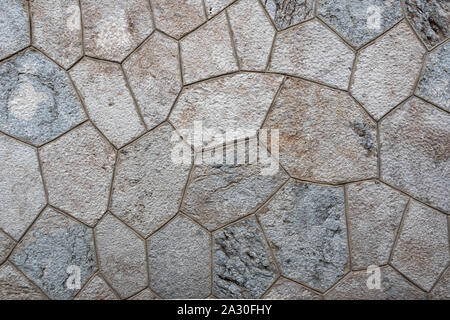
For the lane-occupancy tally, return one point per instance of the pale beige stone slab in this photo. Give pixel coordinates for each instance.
(215, 6)
(285, 289)
(145, 295)
(14, 286)
(96, 289)
(442, 289)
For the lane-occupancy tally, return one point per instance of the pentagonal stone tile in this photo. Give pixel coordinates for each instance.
(360, 21)
(324, 134)
(122, 256)
(108, 100)
(215, 6)
(431, 19)
(148, 185)
(22, 193)
(14, 25)
(422, 249)
(243, 265)
(285, 289)
(53, 246)
(253, 34)
(155, 77)
(442, 289)
(96, 289)
(434, 85)
(57, 29)
(415, 154)
(6, 245)
(374, 214)
(180, 260)
(285, 13)
(145, 295)
(77, 170)
(208, 52)
(314, 52)
(112, 29)
(37, 100)
(386, 70)
(14, 285)
(305, 225)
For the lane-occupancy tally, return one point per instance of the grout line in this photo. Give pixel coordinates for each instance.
(277, 278)
(408, 279)
(137, 48)
(113, 176)
(347, 224)
(83, 51)
(233, 41)
(86, 283)
(405, 15)
(432, 103)
(348, 44)
(381, 35)
(41, 172)
(269, 246)
(272, 104)
(399, 230)
(30, 281)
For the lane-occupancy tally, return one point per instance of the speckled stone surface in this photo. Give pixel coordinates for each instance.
(285, 289)
(15, 26)
(215, 6)
(14, 285)
(286, 13)
(96, 289)
(6, 245)
(442, 289)
(145, 295)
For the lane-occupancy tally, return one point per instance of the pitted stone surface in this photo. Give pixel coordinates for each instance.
(96, 289)
(243, 265)
(145, 295)
(6, 245)
(285, 289)
(15, 26)
(442, 289)
(214, 6)
(37, 100)
(285, 13)
(14, 285)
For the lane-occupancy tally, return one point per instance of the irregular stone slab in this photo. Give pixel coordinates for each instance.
(442, 289)
(253, 34)
(108, 100)
(374, 214)
(52, 250)
(37, 100)
(208, 52)
(386, 71)
(96, 289)
(415, 152)
(422, 249)
(122, 256)
(112, 29)
(6, 245)
(324, 134)
(305, 225)
(22, 194)
(148, 185)
(15, 27)
(215, 6)
(14, 286)
(312, 51)
(180, 260)
(286, 13)
(57, 29)
(285, 289)
(78, 169)
(155, 77)
(145, 295)
(243, 265)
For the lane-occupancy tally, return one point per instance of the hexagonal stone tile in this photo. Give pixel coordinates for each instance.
(422, 249)
(14, 285)
(374, 214)
(14, 25)
(122, 256)
(243, 265)
(215, 6)
(360, 21)
(285, 289)
(22, 193)
(324, 134)
(312, 51)
(50, 248)
(386, 71)
(442, 289)
(208, 52)
(180, 260)
(57, 29)
(155, 77)
(77, 170)
(6, 245)
(145, 295)
(96, 289)
(253, 34)
(107, 99)
(37, 100)
(305, 225)
(112, 29)
(285, 13)
(415, 142)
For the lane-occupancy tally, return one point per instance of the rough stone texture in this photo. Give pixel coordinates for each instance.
(442, 289)
(430, 18)
(324, 134)
(386, 71)
(37, 100)
(78, 169)
(314, 52)
(148, 185)
(415, 152)
(285, 13)
(180, 260)
(6, 245)
(145, 295)
(374, 214)
(285, 289)
(360, 21)
(53, 244)
(253, 34)
(155, 77)
(208, 52)
(215, 6)
(112, 29)
(96, 289)
(305, 225)
(56, 29)
(107, 99)
(14, 286)
(21, 189)
(434, 84)
(14, 25)
(422, 249)
(122, 256)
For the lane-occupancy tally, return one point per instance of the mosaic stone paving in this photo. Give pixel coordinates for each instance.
(96, 98)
